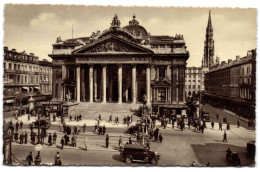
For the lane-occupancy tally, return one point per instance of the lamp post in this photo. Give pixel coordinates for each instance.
(143, 125)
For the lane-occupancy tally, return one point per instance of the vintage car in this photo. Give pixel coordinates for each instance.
(137, 152)
(43, 123)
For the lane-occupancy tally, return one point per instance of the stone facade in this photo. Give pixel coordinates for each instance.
(232, 85)
(22, 73)
(121, 65)
(193, 80)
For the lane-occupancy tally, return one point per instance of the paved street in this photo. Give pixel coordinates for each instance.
(177, 149)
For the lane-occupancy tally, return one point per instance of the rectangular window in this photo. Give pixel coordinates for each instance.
(162, 94)
(189, 86)
(194, 86)
(162, 72)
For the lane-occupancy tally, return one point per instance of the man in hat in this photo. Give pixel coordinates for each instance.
(107, 141)
(50, 139)
(29, 159)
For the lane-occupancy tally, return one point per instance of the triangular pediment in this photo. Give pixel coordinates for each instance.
(161, 82)
(112, 44)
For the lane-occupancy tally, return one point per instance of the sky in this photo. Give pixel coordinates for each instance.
(34, 28)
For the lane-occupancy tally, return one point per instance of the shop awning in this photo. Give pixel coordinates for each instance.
(9, 101)
(37, 88)
(26, 88)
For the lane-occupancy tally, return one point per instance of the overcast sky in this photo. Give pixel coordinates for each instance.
(34, 28)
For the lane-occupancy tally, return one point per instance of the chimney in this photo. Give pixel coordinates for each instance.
(223, 62)
(6, 48)
(31, 54)
(14, 50)
(237, 58)
(229, 61)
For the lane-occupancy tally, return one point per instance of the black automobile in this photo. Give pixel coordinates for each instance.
(43, 123)
(134, 128)
(136, 152)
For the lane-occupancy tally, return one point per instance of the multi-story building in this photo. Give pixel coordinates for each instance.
(122, 65)
(193, 80)
(45, 77)
(232, 85)
(21, 77)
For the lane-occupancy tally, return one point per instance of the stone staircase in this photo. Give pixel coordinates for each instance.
(92, 110)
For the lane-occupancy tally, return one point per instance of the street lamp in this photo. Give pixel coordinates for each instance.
(143, 125)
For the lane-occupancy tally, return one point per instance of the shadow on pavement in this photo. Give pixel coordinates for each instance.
(215, 153)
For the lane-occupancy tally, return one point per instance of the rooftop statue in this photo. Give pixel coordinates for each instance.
(58, 39)
(115, 22)
(178, 37)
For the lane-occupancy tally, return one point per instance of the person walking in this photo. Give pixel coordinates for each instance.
(217, 115)
(220, 125)
(130, 140)
(225, 136)
(228, 126)
(56, 157)
(21, 138)
(21, 125)
(110, 119)
(238, 124)
(160, 138)
(54, 137)
(107, 141)
(29, 116)
(74, 141)
(17, 126)
(104, 130)
(50, 139)
(25, 137)
(29, 159)
(62, 142)
(86, 144)
(212, 124)
(120, 142)
(84, 127)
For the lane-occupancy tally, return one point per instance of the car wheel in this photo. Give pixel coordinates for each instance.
(147, 159)
(128, 160)
(154, 161)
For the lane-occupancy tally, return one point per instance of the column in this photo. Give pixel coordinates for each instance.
(148, 84)
(95, 84)
(110, 90)
(119, 83)
(83, 84)
(104, 81)
(91, 83)
(134, 83)
(177, 88)
(78, 83)
(157, 73)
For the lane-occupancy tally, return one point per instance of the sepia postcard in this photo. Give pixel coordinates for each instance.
(129, 86)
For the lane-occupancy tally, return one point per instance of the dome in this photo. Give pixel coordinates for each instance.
(135, 29)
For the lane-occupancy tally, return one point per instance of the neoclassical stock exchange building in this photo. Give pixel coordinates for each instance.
(122, 65)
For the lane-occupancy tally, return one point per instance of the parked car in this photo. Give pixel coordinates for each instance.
(135, 128)
(251, 149)
(136, 152)
(43, 122)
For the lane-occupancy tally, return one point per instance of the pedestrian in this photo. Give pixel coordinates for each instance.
(42, 137)
(21, 138)
(220, 125)
(173, 122)
(17, 126)
(33, 136)
(212, 124)
(75, 129)
(120, 142)
(86, 144)
(160, 137)
(37, 160)
(110, 119)
(202, 128)
(70, 117)
(57, 156)
(238, 124)
(60, 126)
(29, 159)
(74, 140)
(84, 127)
(54, 137)
(147, 146)
(225, 136)
(99, 117)
(25, 137)
(50, 139)
(228, 126)
(130, 140)
(29, 116)
(107, 141)
(104, 130)
(62, 142)
(54, 117)
(217, 115)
